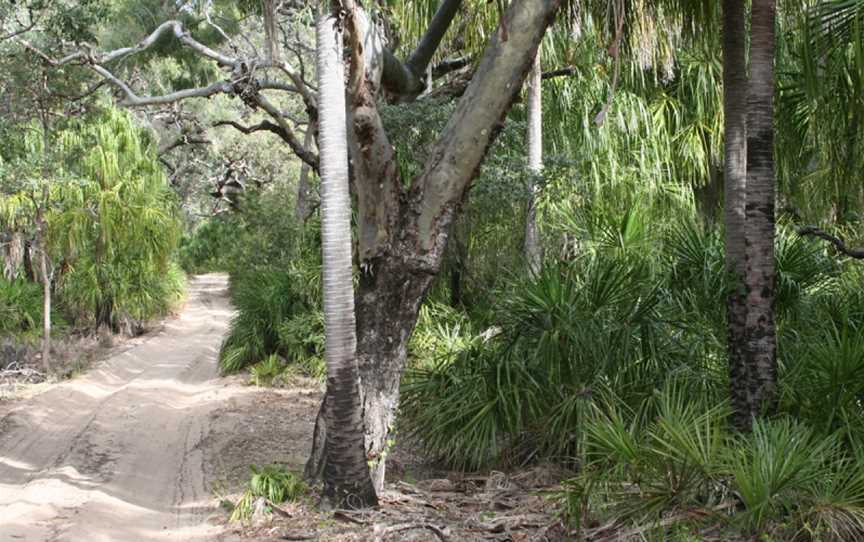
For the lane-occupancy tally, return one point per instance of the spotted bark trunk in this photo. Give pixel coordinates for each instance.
(735, 186)
(760, 352)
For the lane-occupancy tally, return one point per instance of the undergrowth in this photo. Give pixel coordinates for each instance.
(273, 483)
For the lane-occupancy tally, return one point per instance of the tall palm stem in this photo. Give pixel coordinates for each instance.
(347, 482)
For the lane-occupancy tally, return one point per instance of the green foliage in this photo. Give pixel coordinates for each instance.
(206, 248)
(267, 371)
(20, 307)
(118, 227)
(274, 483)
(110, 219)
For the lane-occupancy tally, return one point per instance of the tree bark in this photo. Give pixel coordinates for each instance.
(735, 186)
(347, 481)
(533, 250)
(760, 353)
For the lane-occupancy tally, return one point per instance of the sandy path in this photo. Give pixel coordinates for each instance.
(116, 454)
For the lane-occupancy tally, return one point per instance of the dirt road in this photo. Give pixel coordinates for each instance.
(117, 454)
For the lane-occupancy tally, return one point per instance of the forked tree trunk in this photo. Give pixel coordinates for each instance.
(347, 481)
(735, 187)
(403, 231)
(533, 249)
(760, 351)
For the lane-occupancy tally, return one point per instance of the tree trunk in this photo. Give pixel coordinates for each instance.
(302, 207)
(45, 277)
(760, 353)
(707, 197)
(347, 481)
(27, 258)
(46, 309)
(403, 231)
(13, 255)
(533, 249)
(735, 186)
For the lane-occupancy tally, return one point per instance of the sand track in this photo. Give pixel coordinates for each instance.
(117, 454)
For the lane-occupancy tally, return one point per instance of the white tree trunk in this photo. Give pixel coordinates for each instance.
(346, 475)
(533, 250)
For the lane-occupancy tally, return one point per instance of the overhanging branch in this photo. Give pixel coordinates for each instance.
(287, 136)
(838, 243)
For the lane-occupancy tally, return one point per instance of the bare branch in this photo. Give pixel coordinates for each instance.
(287, 136)
(180, 33)
(560, 72)
(450, 65)
(857, 253)
(430, 41)
(184, 139)
(133, 99)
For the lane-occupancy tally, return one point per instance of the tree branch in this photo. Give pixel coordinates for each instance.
(838, 243)
(450, 65)
(287, 136)
(454, 160)
(561, 72)
(184, 139)
(422, 55)
(133, 99)
(406, 79)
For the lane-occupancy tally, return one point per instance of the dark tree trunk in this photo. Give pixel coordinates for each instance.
(708, 196)
(735, 186)
(29, 274)
(760, 353)
(387, 304)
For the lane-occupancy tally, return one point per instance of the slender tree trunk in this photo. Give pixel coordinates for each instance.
(533, 249)
(45, 277)
(46, 309)
(27, 259)
(302, 207)
(347, 480)
(760, 353)
(735, 187)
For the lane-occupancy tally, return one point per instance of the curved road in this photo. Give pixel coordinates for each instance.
(114, 455)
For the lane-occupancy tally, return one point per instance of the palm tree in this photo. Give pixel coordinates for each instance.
(735, 177)
(347, 480)
(760, 350)
(533, 250)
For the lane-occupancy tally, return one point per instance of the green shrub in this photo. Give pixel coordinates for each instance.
(208, 247)
(275, 315)
(274, 483)
(20, 306)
